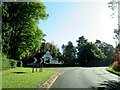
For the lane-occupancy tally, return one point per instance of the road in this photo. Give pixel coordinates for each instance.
(85, 77)
(59, 69)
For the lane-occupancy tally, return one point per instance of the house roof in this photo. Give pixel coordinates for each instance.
(47, 55)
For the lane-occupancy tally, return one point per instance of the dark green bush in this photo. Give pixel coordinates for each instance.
(19, 63)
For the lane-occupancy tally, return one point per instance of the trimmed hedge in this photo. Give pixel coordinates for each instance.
(5, 62)
(13, 63)
(10, 63)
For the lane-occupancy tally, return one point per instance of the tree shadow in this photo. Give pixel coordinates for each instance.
(109, 85)
(19, 72)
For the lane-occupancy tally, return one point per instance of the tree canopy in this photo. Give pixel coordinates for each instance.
(54, 51)
(69, 53)
(88, 53)
(107, 49)
(20, 33)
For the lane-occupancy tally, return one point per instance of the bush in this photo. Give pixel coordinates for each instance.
(13, 63)
(9, 63)
(116, 66)
(5, 62)
(19, 64)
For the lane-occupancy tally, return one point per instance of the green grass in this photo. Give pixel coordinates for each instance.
(113, 71)
(25, 79)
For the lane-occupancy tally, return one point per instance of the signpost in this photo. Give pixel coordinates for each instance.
(37, 64)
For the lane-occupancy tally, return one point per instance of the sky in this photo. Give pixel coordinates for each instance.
(68, 20)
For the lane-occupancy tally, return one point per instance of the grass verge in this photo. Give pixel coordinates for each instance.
(110, 69)
(24, 78)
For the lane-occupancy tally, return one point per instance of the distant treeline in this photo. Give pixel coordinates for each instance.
(88, 53)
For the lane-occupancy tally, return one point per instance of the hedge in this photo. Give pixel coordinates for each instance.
(10, 63)
(13, 63)
(5, 62)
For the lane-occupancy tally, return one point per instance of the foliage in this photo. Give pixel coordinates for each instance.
(118, 46)
(69, 53)
(24, 78)
(13, 63)
(8, 63)
(45, 46)
(5, 62)
(19, 63)
(54, 51)
(89, 54)
(81, 40)
(117, 36)
(20, 33)
(116, 64)
(107, 49)
(113, 4)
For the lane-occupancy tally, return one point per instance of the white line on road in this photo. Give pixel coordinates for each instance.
(52, 82)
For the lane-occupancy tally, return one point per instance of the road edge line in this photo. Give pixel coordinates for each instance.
(48, 83)
(52, 82)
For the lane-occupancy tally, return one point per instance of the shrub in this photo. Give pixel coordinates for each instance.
(116, 64)
(19, 63)
(9, 63)
(13, 63)
(5, 62)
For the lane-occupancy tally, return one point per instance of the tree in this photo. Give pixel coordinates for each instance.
(89, 54)
(106, 48)
(114, 6)
(69, 53)
(81, 40)
(117, 36)
(54, 51)
(20, 33)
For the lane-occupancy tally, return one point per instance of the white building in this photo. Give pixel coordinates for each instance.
(47, 56)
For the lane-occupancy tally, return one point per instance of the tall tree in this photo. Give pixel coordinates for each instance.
(89, 54)
(81, 40)
(69, 52)
(114, 4)
(20, 33)
(117, 36)
(106, 48)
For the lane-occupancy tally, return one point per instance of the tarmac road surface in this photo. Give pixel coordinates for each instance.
(85, 78)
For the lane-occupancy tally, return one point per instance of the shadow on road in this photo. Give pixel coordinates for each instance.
(109, 85)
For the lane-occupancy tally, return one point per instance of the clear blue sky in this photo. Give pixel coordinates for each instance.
(68, 21)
